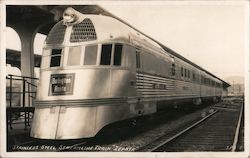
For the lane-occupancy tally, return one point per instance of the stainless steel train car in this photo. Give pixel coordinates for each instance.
(96, 70)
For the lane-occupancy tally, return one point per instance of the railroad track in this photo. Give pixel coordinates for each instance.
(161, 135)
(110, 139)
(217, 131)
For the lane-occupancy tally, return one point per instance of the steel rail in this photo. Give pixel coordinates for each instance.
(237, 131)
(183, 131)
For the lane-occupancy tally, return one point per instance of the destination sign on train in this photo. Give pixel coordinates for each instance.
(61, 84)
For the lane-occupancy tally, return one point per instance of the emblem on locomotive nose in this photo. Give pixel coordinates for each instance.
(61, 84)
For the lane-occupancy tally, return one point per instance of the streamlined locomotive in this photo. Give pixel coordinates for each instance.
(97, 70)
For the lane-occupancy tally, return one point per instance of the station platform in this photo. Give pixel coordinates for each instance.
(18, 134)
(19, 121)
(18, 129)
(19, 115)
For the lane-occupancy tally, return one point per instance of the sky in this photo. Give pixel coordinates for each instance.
(211, 35)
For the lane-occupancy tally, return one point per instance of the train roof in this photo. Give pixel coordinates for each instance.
(48, 11)
(119, 31)
(127, 28)
(167, 49)
(225, 84)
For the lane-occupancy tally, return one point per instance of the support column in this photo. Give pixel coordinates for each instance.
(27, 35)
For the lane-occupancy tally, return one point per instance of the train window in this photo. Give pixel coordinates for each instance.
(173, 69)
(74, 56)
(118, 54)
(194, 76)
(182, 71)
(212, 83)
(188, 73)
(138, 62)
(185, 72)
(90, 55)
(218, 85)
(55, 57)
(106, 54)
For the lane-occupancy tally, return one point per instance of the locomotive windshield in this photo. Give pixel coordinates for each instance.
(106, 54)
(74, 56)
(118, 54)
(90, 55)
(55, 57)
(110, 54)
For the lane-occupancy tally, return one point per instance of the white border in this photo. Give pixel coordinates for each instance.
(2, 79)
(3, 152)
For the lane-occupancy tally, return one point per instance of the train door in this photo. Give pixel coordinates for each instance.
(200, 83)
(172, 73)
(123, 71)
(138, 59)
(139, 75)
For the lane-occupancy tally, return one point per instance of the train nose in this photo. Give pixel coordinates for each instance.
(64, 123)
(44, 123)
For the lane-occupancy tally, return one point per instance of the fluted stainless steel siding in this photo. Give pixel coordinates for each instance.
(174, 88)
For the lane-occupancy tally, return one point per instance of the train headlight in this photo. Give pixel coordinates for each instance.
(70, 16)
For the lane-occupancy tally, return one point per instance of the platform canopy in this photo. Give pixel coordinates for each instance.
(45, 15)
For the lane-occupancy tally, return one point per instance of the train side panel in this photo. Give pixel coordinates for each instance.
(99, 71)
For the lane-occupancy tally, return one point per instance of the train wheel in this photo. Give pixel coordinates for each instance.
(197, 101)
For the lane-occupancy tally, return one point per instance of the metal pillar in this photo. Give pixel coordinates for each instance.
(27, 34)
